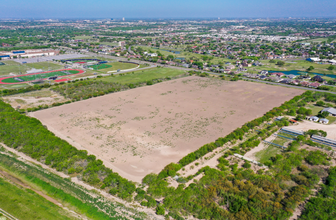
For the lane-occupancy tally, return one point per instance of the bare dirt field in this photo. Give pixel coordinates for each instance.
(34, 99)
(306, 125)
(139, 131)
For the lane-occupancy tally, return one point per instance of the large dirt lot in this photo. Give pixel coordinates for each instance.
(139, 131)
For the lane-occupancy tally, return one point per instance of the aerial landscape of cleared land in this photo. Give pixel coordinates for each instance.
(166, 119)
(139, 131)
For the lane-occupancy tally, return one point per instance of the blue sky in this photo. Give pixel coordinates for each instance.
(166, 9)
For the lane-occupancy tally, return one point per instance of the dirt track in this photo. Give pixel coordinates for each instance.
(139, 131)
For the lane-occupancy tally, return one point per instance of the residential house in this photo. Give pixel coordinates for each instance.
(278, 74)
(314, 85)
(291, 76)
(324, 121)
(317, 78)
(314, 118)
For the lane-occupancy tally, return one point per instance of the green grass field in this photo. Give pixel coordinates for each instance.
(109, 43)
(118, 65)
(144, 75)
(39, 76)
(301, 65)
(100, 66)
(83, 37)
(267, 153)
(24, 203)
(315, 109)
(14, 67)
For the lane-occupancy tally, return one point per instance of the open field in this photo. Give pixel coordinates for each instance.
(83, 37)
(109, 43)
(139, 131)
(34, 99)
(41, 75)
(26, 204)
(14, 67)
(143, 75)
(301, 65)
(116, 66)
(100, 66)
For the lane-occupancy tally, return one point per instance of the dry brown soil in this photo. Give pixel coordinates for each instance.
(139, 131)
(34, 99)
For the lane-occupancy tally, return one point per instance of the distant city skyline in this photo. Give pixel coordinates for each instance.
(167, 9)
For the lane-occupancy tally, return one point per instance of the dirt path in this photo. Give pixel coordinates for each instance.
(17, 181)
(306, 125)
(151, 214)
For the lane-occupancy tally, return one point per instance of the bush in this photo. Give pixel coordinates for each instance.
(247, 165)
(160, 210)
(317, 158)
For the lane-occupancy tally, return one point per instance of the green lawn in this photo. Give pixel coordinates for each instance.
(100, 66)
(315, 109)
(44, 66)
(14, 67)
(109, 43)
(40, 76)
(266, 154)
(118, 65)
(144, 75)
(301, 65)
(331, 119)
(280, 141)
(23, 203)
(83, 37)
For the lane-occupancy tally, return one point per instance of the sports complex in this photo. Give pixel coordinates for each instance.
(31, 77)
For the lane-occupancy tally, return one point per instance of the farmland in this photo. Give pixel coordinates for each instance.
(139, 131)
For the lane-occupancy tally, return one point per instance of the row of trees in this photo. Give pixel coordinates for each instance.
(242, 193)
(29, 136)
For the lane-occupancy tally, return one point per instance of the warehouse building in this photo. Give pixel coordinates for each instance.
(27, 53)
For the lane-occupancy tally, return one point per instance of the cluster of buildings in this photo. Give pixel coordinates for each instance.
(27, 53)
(302, 80)
(331, 112)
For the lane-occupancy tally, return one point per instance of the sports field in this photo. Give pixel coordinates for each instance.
(42, 75)
(14, 67)
(100, 66)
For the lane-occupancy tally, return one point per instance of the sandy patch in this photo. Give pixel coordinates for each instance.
(34, 99)
(262, 146)
(139, 131)
(306, 125)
